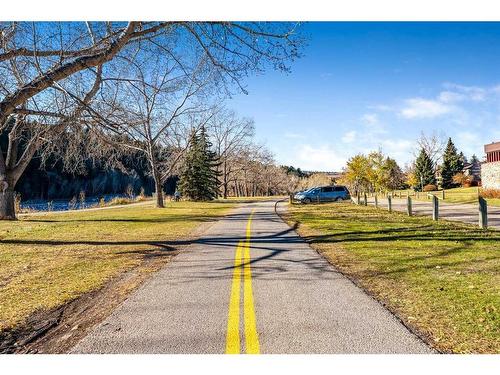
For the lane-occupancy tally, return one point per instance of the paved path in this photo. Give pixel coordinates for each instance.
(467, 213)
(250, 286)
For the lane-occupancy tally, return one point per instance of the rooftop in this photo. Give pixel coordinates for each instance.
(495, 146)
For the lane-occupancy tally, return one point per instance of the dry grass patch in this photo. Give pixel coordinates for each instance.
(47, 260)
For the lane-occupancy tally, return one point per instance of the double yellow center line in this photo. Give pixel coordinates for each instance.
(242, 266)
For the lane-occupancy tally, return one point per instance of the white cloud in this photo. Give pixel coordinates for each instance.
(451, 97)
(459, 92)
(468, 137)
(370, 118)
(399, 149)
(471, 142)
(349, 137)
(293, 135)
(424, 108)
(445, 102)
(320, 158)
(381, 107)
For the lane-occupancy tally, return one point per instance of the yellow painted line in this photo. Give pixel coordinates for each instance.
(233, 321)
(251, 336)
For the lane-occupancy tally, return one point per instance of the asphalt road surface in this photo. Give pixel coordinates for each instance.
(250, 285)
(467, 213)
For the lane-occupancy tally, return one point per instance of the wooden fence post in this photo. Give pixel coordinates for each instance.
(290, 198)
(389, 203)
(357, 199)
(408, 206)
(483, 213)
(376, 201)
(442, 194)
(365, 202)
(435, 208)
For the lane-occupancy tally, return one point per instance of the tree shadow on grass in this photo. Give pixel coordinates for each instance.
(276, 245)
(162, 219)
(425, 232)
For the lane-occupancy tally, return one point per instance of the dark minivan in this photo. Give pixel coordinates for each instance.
(323, 194)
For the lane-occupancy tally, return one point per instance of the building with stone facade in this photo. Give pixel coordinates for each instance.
(490, 169)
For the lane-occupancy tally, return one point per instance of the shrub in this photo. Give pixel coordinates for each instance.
(490, 193)
(459, 178)
(129, 192)
(462, 180)
(119, 201)
(72, 204)
(430, 187)
(82, 198)
(142, 196)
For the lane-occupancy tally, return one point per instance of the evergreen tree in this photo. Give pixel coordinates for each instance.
(463, 158)
(424, 170)
(453, 163)
(394, 175)
(199, 179)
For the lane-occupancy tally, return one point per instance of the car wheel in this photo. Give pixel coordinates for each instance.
(307, 200)
(339, 199)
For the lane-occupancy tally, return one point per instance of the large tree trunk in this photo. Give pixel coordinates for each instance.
(158, 184)
(159, 194)
(11, 169)
(156, 174)
(224, 185)
(7, 205)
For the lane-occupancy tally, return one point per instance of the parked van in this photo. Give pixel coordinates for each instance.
(323, 194)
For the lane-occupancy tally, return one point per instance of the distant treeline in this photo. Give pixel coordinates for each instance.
(52, 181)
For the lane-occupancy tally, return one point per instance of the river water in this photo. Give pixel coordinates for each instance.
(65, 204)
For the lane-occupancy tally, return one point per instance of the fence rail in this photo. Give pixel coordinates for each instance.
(481, 202)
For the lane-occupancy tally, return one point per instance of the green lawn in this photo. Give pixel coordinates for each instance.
(49, 259)
(441, 278)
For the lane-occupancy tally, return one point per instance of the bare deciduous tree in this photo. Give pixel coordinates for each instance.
(256, 174)
(231, 136)
(433, 144)
(154, 108)
(51, 71)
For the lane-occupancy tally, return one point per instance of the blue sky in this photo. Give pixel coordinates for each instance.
(365, 86)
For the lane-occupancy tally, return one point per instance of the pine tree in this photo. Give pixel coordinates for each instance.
(424, 170)
(453, 163)
(199, 179)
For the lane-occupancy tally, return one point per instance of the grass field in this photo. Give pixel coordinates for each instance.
(442, 278)
(49, 259)
(457, 195)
